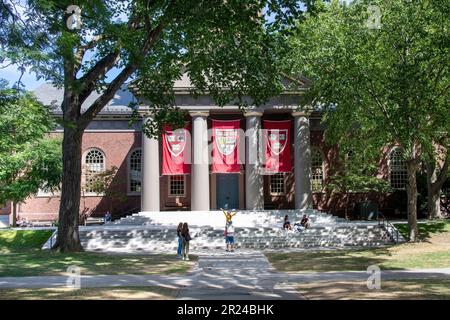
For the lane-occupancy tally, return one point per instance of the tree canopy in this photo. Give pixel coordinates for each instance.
(228, 48)
(30, 159)
(380, 71)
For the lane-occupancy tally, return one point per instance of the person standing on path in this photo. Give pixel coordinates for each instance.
(180, 239)
(186, 237)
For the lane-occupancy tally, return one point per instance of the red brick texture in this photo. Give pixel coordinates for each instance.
(116, 146)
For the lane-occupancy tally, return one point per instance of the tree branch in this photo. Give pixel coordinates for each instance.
(383, 111)
(115, 85)
(102, 66)
(79, 54)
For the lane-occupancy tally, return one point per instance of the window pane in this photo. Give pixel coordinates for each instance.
(94, 164)
(316, 170)
(277, 186)
(176, 185)
(398, 174)
(135, 171)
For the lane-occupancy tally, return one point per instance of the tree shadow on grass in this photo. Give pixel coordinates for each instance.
(23, 240)
(122, 293)
(426, 230)
(390, 289)
(333, 260)
(35, 263)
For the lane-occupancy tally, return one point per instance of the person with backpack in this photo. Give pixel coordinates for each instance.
(180, 239)
(186, 237)
(229, 236)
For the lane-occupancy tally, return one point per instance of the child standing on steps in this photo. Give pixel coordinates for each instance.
(229, 236)
(228, 215)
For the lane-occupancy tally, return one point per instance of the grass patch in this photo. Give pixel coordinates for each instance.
(21, 256)
(23, 240)
(432, 253)
(390, 289)
(44, 263)
(426, 230)
(112, 293)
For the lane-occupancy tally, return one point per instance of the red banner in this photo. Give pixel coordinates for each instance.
(277, 144)
(176, 151)
(226, 146)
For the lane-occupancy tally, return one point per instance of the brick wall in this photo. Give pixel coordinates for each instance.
(116, 146)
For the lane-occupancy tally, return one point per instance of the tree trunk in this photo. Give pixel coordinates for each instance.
(69, 211)
(411, 192)
(434, 192)
(14, 214)
(347, 196)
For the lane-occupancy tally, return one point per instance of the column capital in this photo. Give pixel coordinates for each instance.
(305, 113)
(253, 114)
(199, 113)
(144, 112)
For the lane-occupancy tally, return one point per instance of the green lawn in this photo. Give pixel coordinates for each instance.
(426, 230)
(21, 256)
(22, 240)
(112, 293)
(390, 289)
(432, 252)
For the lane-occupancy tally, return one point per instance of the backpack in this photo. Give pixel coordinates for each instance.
(187, 237)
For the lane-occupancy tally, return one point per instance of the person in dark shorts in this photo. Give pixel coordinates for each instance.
(229, 236)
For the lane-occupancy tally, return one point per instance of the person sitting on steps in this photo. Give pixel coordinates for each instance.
(305, 222)
(287, 223)
(108, 217)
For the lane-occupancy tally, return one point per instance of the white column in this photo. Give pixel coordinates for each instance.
(200, 192)
(302, 156)
(150, 174)
(254, 186)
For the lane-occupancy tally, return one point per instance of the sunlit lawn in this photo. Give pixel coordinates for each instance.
(122, 293)
(20, 255)
(390, 289)
(433, 251)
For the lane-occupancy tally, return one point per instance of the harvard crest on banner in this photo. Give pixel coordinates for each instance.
(226, 146)
(176, 151)
(277, 145)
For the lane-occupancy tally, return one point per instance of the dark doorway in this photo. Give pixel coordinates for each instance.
(227, 191)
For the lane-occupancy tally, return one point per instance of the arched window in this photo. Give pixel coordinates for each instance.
(134, 171)
(398, 174)
(316, 170)
(94, 163)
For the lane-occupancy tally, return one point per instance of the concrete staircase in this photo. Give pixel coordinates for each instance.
(156, 232)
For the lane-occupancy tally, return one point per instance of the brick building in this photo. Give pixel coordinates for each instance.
(110, 141)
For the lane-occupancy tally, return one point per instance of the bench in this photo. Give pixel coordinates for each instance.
(175, 205)
(40, 223)
(94, 221)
